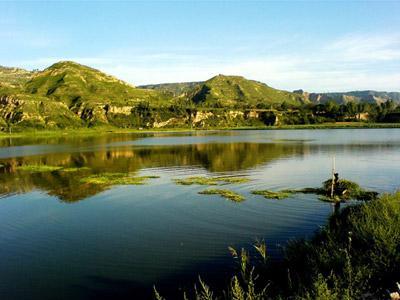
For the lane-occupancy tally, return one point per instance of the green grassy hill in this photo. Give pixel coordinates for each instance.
(14, 77)
(237, 91)
(67, 94)
(174, 89)
(75, 84)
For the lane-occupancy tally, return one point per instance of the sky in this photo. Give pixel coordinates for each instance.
(317, 46)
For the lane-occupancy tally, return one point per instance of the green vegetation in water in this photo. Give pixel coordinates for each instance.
(196, 180)
(116, 179)
(344, 190)
(48, 168)
(224, 193)
(273, 195)
(354, 255)
(232, 180)
(211, 180)
(75, 169)
(38, 168)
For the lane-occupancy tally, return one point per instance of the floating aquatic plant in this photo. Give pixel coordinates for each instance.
(343, 190)
(116, 179)
(273, 195)
(38, 168)
(224, 193)
(220, 180)
(75, 169)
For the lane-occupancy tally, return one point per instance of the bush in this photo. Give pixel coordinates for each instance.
(358, 252)
(355, 256)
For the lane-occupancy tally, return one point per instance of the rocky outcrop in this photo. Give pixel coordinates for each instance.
(124, 110)
(201, 116)
(353, 96)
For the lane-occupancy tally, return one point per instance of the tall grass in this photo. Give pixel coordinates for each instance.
(355, 256)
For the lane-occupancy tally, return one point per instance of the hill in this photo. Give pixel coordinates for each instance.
(368, 96)
(237, 91)
(174, 89)
(14, 77)
(67, 94)
(230, 92)
(75, 84)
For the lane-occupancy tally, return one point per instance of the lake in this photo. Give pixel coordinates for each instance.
(64, 238)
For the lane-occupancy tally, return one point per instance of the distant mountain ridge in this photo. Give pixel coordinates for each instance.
(367, 96)
(68, 94)
(176, 89)
(14, 77)
(237, 91)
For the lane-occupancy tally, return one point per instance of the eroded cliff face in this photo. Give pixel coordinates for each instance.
(23, 112)
(9, 108)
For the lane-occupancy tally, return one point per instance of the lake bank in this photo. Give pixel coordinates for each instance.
(113, 130)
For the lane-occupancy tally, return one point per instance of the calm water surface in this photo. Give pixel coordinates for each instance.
(61, 238)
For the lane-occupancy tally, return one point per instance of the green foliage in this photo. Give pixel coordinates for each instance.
(14, 77)
(356, 253)
(204, 293)
(70, 95)
(273, 195)
(157, 296)
(174, 89)
(225, 194)
(116, 179)
(321, 290)
(211, 180)
(238, 92)
(77, 85)
(38, 168)
(346, 189)
(74, 169)
(343, 190)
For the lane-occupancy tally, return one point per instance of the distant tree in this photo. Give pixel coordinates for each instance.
(332, 109)
(284, 106)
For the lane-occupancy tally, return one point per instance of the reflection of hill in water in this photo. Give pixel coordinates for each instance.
(213, 157)
(68, 187)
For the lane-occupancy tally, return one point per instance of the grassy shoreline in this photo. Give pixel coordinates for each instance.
(354, 256)
(113, 130)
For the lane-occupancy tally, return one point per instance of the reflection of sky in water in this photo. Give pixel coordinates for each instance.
(355, 137)
(327, 136)
(140, 235)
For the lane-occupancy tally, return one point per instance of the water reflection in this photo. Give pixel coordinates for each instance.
(118, 243)
(216, 158)
(69, 187)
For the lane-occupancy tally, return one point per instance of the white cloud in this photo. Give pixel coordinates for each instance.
(349, 63)
(16, 37)
(367, 47)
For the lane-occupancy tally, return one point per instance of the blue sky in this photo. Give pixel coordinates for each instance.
(317, 46)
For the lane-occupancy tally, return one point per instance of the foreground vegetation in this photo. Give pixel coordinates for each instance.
(355, 256)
